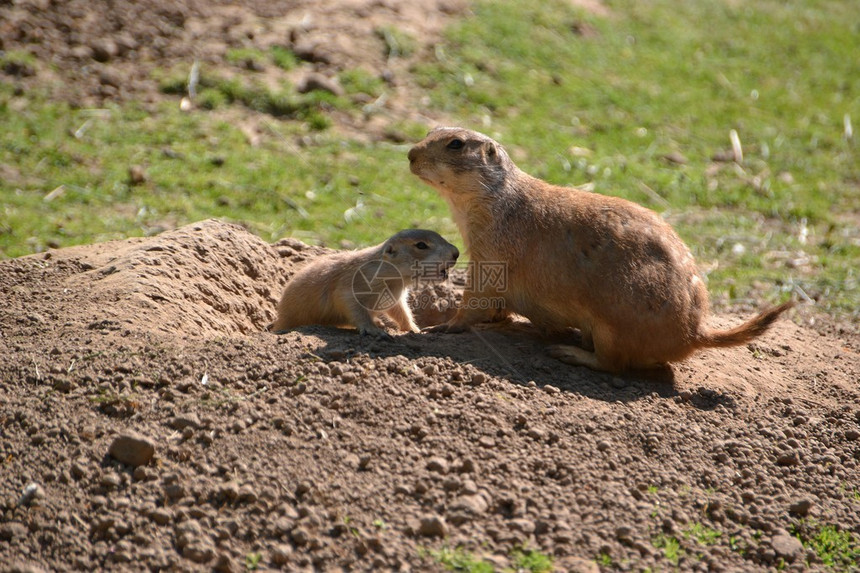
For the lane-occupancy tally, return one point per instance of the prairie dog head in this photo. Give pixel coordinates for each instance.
(458, 161)
(420, 254)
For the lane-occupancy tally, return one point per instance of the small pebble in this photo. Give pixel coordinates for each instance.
(137, 175)
(132, 449)
(348, 377)
(300, 536)
(537, 434)
(487, 442)
(791, 458)
(318, 82)
(526, 526)
(432, 526)
(469, 504)
(247, 494)
(281, 554)
(13, 530)
(110, 480)
(800, 507)
(161, 516)
(185, 421)
(438, 465)
(31, 494)
(787, 546)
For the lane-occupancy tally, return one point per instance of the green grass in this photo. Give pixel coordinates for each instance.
(17, 62)
(217, 90)
(458, 559)
(577, 98)
(670, 546)
(247, 57)
(604, 560)
(738, 545)
(284, 58)
(702, 534)
(531, 560)
(197, 166)
(360, 81)
(835, 548)
(252, 561)
(398, 43)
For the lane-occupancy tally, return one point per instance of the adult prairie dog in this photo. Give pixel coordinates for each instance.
(573, 259)
(357, 288)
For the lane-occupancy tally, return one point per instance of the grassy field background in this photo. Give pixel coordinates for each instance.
(639, 103)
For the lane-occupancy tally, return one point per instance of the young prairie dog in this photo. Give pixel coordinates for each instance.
(357, 288)
(573, 259)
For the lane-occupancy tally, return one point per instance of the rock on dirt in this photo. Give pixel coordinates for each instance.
(801, 507)
(432, 526)
(319, 82)
(132, 449)
(31, 494)
(13, 531)
(786, 546)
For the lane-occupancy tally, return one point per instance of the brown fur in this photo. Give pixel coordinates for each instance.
(606, 266)
(345, 288)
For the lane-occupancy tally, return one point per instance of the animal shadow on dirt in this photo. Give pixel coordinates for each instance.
(515, 352)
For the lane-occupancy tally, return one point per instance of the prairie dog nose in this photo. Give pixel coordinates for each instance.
(411, 155)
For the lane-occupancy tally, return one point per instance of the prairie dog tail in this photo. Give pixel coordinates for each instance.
(745, 332)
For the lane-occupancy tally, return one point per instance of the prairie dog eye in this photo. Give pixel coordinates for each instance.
(421, 245)
(455, 144)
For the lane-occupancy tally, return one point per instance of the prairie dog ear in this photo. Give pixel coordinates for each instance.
(390, 250)
(491, 152)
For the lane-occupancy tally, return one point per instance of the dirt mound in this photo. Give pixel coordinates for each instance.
(91, 53)
(206, 279)
(319, 449)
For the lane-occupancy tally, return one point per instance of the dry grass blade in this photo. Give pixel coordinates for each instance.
(737, 150)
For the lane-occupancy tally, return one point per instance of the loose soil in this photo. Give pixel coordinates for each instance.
(148, 422)
(321, 449)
